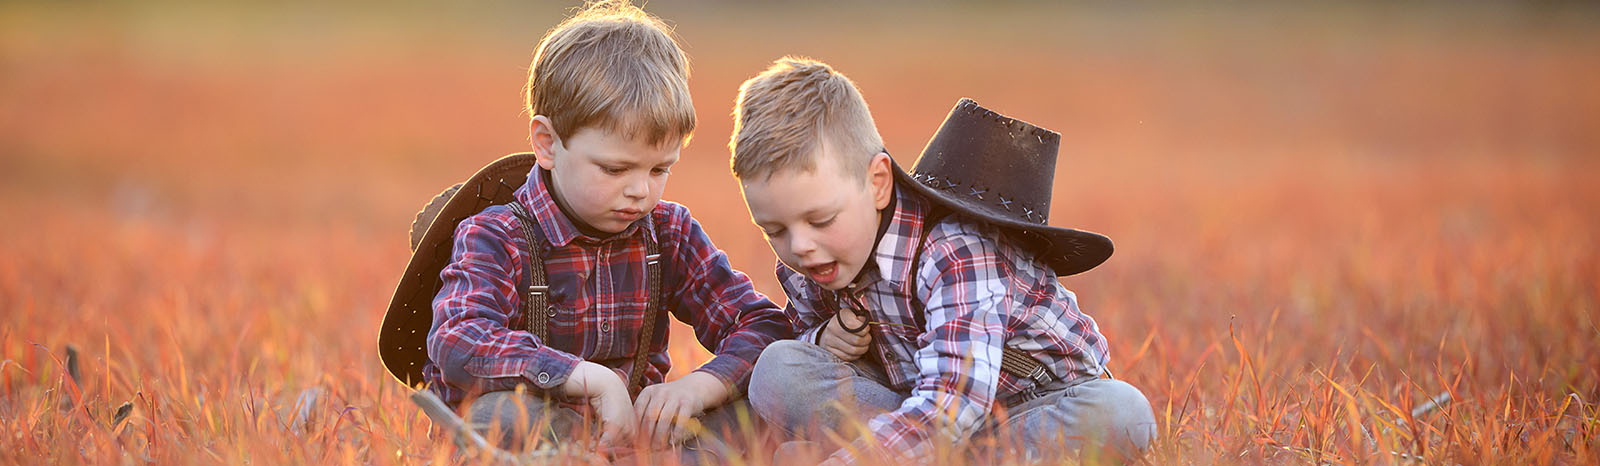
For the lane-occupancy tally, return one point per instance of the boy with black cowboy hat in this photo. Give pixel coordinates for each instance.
(548, 276)
(927, 301)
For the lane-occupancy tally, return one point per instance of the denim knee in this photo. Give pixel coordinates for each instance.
(1123, 415)
(511, 419)
(772, 380)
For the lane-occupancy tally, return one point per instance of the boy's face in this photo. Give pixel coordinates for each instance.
(822, 222)
(607, 179)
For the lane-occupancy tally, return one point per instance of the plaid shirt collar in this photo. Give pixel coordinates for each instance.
(894, 254)
(558, 229)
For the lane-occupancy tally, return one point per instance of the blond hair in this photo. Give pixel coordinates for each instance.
(616, 67)
(784, 115)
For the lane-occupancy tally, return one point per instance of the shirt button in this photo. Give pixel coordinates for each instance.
(544, 378)
(605, 326)
(552, 310)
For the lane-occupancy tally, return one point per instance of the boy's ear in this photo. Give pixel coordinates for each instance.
(542, 135)
(880, 179)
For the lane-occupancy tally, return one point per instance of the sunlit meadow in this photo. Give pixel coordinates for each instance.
(1345, 234)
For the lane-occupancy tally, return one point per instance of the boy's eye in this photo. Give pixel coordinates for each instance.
(660, 171)
(613, 170)
(825, 223)
(774, 233)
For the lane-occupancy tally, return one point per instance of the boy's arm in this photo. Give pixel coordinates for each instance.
(965, 283)
(722, 305)
(470, 341)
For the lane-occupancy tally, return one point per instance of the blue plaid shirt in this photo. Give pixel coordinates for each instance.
(982, 293)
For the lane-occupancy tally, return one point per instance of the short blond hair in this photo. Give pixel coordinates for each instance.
(784, 115)
(612, 66)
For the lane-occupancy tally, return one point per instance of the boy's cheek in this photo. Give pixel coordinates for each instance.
(783, 256)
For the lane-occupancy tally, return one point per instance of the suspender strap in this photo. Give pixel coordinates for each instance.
(537, 311)
(1012, 361)
(536, 293)
(652, 277)
(1017, 363)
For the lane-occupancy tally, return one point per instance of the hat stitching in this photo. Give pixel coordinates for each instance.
(502, 182)
(945, 183)
(972, 107)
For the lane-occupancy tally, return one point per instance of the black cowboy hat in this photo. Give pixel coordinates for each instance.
(1000, 170)
(403, 339)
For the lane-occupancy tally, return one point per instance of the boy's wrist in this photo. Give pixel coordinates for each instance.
(814, 336)
(711, 390)
(590, 379)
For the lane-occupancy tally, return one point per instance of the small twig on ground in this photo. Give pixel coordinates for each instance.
(450, 422)
(1438, 401)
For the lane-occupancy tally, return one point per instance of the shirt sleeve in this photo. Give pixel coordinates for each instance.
(965, 290)
(802, 310)
(470, 341)
(722, 305)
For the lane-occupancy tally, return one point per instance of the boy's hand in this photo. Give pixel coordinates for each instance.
(608, 396)
(847, 346)
(665, 410)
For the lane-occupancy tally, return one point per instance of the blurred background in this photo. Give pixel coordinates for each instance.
(215, 197)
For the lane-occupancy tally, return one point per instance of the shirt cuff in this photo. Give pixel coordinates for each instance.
(732, 371)
(550, 368)
(813, 336)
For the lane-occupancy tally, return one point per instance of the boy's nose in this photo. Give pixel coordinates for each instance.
(637, 188)
(801, 245)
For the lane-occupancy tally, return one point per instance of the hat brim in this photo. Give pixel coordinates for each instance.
(1064, 250)
(402, 341)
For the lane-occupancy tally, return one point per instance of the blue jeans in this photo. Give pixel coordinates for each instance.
(518, 422)
(807, 392)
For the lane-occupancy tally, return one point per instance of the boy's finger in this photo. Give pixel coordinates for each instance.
(832, 341)
(608, 436)
(641, 410)
(837, 347)
(680, 423)
(642, 399)
(662, 429)
(851, 319)
(658, 413)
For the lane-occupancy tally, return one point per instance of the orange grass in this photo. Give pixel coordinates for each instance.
(1324, 218)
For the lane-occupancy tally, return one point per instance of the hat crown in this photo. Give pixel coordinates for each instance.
(993, 159)
(999, 170)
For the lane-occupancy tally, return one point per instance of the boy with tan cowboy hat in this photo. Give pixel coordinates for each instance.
(538, 292)
(928, 301)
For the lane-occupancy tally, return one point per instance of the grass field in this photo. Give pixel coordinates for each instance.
(1324, 217)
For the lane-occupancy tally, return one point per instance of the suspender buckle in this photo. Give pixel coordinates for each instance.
(1039, 374)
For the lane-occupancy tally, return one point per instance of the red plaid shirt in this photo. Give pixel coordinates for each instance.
(597, 287)
(982, 293)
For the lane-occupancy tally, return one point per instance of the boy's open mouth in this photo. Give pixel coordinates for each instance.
(823, 273)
